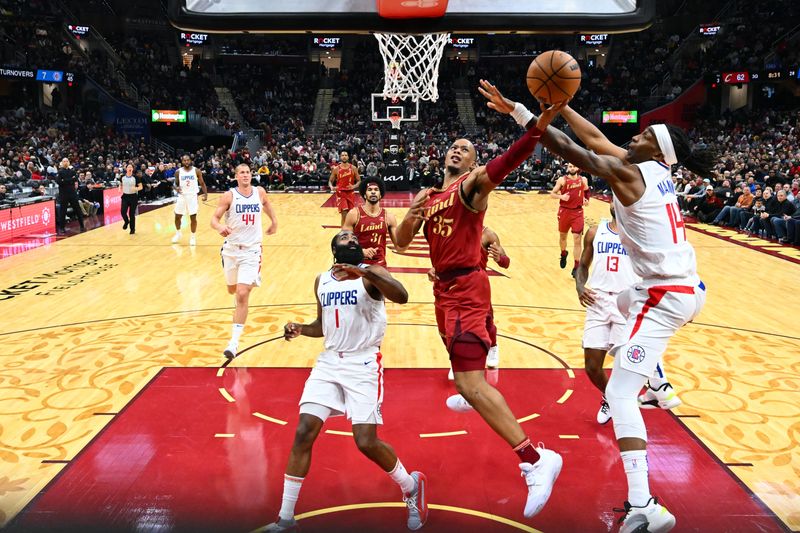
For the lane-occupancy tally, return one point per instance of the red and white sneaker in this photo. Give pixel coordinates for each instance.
(417, 502)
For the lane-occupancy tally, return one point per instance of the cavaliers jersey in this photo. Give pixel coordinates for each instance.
(453, 230)
(244, 219)
(612, 271)
(574, 188)
(652, 229)
(187, 180)
(346, 176)
(352, 320)
(372, 233)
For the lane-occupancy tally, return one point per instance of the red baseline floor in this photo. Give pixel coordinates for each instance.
(158, 466)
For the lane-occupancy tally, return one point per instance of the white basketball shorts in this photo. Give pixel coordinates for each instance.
(186, 205)
(655, 314)
(605, 325)
(351, 385)
(241, 264)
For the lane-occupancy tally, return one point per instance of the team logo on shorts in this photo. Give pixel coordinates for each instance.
(636, 354)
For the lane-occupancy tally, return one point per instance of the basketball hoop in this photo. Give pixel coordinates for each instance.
(395, 119)
(411, 64)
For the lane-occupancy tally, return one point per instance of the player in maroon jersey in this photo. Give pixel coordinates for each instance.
(453, 224)
(572, 191)
(490, 247)
(345, 179)
(372, 223)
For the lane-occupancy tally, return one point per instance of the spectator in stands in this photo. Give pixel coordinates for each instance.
(729, 216)
(709, 206)
(784, 209)
(3, 192)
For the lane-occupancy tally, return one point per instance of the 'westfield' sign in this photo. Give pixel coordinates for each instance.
(27, 220)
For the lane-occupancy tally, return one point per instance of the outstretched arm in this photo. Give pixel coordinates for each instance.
(590, 135)
(625, 180)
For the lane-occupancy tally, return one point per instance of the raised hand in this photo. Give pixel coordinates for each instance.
(497, 101)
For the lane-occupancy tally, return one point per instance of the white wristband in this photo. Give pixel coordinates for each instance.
(521, 114)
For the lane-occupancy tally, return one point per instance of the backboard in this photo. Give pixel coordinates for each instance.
(383, 107)
(362, 16)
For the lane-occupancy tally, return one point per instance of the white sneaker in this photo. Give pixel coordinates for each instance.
(540, 478)
(282, 525)
(604, 414)
(192, 240)
(663, 397)
(450, 374)
(493, 357)
(230, 351)
(458, 404)
(652, 518)
(177, 237)
(417, 502)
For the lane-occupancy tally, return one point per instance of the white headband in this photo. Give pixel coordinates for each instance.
(665, 143)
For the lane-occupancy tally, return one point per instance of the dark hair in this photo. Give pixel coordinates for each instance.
(366, 182)
(700, 162)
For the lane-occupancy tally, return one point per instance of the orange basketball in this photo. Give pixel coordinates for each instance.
(553, 77)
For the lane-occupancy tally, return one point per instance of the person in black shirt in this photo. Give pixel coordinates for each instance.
(67, 195)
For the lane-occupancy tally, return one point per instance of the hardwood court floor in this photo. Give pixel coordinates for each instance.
(89, 321)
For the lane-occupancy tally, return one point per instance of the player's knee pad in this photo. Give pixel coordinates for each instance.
(468, 352)
(622, 393)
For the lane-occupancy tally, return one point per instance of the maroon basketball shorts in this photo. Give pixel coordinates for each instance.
(463, 305)
(345, 200)
(570, 219)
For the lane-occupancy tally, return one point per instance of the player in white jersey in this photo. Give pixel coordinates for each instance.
(670, 293)
(241, 252)
(347, 378)
(605, 321)
(188, 182)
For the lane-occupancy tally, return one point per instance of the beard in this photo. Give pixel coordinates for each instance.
(373, 199)
(349, 254)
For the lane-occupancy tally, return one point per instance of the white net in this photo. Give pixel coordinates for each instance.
(411, 64)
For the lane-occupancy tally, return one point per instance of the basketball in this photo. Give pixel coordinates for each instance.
(553, 76)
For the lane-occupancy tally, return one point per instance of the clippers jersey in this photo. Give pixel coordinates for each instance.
(345, 177)
(187, 180)
(453, 230)
(244, 219)
(652, 229)
(612, 270)
(372, 233)
(574, 188)
(352, 321)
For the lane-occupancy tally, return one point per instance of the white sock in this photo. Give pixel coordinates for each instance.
(400, 475)
(291, 491)
(178, 232)
(635, 463)
(194, 233)
(658, 378)
(236, 332)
